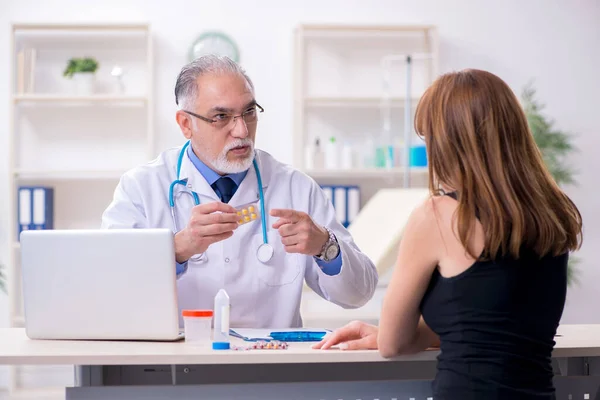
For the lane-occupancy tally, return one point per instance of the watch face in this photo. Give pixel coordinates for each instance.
(331, 252)
(214, 43)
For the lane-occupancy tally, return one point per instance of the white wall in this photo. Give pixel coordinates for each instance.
(555, 42)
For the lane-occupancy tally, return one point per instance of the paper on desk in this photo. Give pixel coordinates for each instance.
(250, 334)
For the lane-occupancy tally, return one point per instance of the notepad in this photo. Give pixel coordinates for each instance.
(286, 335)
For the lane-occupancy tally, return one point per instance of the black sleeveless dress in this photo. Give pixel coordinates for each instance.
(496, 322)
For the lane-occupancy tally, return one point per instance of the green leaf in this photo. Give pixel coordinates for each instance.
(555, 145)
(75, 65)
(573, 272)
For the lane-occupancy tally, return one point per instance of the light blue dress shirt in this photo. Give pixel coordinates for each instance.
(332, 267)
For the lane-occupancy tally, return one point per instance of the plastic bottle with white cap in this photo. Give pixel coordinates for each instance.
(221, 327)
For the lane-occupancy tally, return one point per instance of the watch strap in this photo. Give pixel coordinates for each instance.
(332, 239)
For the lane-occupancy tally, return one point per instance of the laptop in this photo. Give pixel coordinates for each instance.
(102, 284)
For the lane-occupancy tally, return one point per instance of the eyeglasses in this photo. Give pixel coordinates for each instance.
(222, 120)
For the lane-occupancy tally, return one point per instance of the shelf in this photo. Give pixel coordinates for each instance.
(367, 37)
(364, 172)
(80, 27)
(322, 30)
(68, 175)
(82, 36)
(65, 98)
(354, 102)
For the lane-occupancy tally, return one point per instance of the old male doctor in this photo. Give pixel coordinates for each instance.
(261, 264)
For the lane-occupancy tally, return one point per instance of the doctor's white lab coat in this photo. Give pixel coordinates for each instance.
(262, 295)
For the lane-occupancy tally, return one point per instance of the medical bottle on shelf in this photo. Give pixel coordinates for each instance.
(368, 153)
(319, 155)
(380, 154)
(309, 158)
(331, 154)
(314, 158)
(221, 326)
(347, 156)
(398, 153)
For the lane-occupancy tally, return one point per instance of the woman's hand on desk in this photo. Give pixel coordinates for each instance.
(356, 335)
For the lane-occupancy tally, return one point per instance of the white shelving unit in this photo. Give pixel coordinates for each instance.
(348, 81)
(340, 92)
(78, 144)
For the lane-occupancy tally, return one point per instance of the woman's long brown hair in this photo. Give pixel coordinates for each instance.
(479, 143)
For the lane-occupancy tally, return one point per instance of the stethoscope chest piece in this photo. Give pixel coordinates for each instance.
(264, 252)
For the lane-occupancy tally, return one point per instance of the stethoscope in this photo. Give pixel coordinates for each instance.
(265, 251)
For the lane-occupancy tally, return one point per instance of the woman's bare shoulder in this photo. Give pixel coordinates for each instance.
(436, 209)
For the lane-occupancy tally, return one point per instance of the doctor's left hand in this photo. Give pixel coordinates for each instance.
(299, 233)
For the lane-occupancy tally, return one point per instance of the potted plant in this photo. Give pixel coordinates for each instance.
(83, 73)
(555, 145)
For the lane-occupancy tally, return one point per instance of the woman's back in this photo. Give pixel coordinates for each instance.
(496, 319)
(483, 274)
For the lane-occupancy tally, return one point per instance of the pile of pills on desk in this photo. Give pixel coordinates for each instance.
(263, 345)
(274, 345)
(247, 213)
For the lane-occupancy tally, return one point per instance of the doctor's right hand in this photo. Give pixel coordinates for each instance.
(209, 223)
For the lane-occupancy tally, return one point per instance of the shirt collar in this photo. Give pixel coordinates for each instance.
(210, 175)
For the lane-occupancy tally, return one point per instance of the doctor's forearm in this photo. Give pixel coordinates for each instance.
(354, 286)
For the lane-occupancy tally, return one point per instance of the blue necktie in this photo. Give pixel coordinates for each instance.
(225, 188)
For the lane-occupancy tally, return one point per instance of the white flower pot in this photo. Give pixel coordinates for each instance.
(84, 82)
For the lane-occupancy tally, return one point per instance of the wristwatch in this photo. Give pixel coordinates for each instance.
(330, 249)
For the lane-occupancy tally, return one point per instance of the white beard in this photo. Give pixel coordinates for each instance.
(222, 164)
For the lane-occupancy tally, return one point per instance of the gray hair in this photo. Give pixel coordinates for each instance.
(186, 87)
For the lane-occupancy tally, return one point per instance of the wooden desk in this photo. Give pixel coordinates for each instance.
(110, 369)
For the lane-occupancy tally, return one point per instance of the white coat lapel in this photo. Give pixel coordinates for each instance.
(247, 192)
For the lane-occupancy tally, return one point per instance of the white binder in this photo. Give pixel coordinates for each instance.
(43, 202)
(339, 203)
(353, 203)
(25, 209)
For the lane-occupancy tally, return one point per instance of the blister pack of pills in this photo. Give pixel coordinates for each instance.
(248, 213)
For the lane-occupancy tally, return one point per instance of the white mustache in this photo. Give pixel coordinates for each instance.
(239, 143)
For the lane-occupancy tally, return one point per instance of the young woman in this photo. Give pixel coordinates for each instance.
(482, 265)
